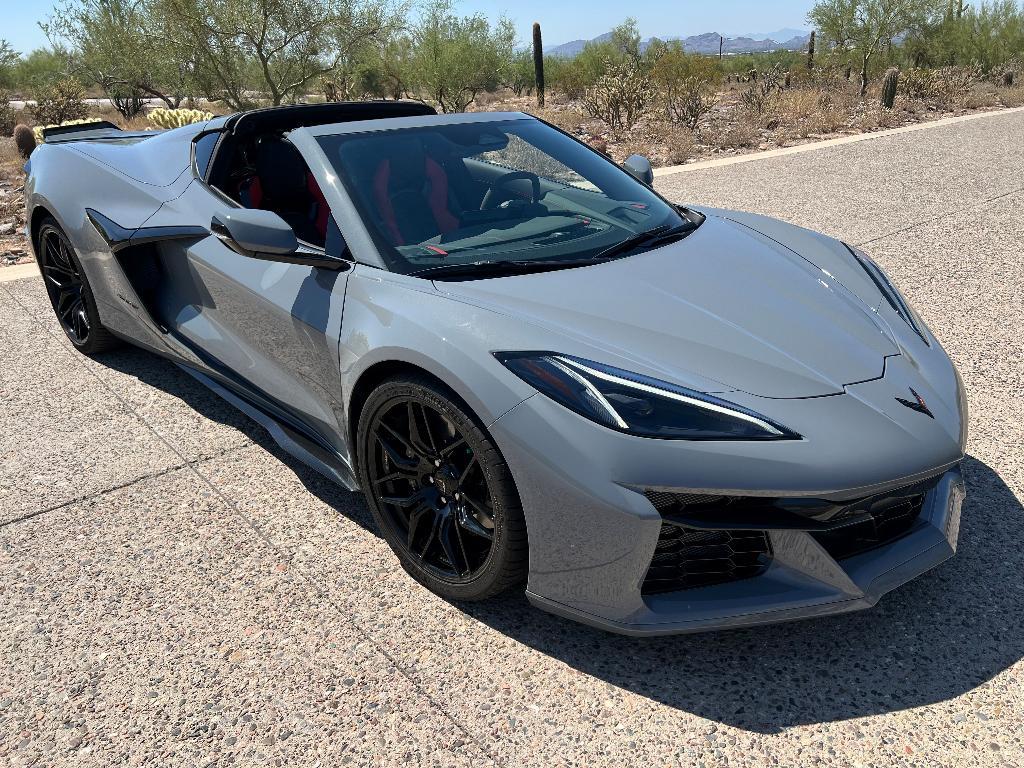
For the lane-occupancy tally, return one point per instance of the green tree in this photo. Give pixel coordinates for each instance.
(41, 66)
(8, 61)
(864, 27)
(687, 83)
(113, 46)
(456, 58)
(241, 50)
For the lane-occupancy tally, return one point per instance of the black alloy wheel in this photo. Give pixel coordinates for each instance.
(440, 491)
(69, 292)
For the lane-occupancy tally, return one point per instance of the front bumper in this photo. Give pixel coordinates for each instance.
(593, 532)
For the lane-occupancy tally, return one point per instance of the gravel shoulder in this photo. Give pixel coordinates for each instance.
(176, 591)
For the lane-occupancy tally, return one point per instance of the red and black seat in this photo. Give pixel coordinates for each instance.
(282, 184)
(411, 194)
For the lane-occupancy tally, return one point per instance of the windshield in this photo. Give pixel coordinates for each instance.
(514, 192)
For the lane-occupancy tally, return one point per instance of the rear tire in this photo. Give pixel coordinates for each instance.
(440, 491)
(69, 292)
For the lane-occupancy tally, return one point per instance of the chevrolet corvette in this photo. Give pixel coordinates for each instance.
(658, 418)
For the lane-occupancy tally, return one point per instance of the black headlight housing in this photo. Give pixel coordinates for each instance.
(636, 404)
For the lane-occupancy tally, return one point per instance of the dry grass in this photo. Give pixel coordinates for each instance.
(802, 112)
(10, 161)
(1012, 97)
(741, 134)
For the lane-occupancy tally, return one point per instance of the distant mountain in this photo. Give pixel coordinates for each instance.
(781, 34)
(707, 43)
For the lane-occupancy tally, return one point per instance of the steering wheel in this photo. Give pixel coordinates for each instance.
(501, 181)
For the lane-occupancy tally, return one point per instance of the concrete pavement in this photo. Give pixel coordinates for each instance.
(176, 591)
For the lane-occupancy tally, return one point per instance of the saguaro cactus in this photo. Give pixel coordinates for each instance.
(538, 63)
(810, 52)
(889, 85)
(24, 140)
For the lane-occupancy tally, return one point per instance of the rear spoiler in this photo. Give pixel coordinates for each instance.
(93, 130)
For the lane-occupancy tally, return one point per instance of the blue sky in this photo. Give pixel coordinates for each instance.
(562, 20)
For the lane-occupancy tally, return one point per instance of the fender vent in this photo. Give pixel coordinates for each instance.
(687, 558)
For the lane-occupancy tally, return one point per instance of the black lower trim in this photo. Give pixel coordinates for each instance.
(117, 237)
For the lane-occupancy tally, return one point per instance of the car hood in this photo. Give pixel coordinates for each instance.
(726, 304)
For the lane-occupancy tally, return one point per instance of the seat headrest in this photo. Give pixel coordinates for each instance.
(280, 168)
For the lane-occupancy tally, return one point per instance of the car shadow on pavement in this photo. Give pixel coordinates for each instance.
(934, 639)
(162, 374)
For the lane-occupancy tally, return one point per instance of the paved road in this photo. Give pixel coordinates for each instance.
(175, 590)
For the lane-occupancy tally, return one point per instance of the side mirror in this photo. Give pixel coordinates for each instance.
(640, 167)
(250, 232)
(265, 235)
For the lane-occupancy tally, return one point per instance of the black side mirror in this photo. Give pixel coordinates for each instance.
(265, 235)
(640, 167)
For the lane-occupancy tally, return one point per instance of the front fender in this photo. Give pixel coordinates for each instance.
(392, 318)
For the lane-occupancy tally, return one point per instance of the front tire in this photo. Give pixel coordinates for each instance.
(440, 491)
(69, 292)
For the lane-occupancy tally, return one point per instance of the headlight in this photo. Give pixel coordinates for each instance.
(637, 404)
(888, 290)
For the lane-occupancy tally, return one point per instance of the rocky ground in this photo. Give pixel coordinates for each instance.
(176, 591)
(13, 248)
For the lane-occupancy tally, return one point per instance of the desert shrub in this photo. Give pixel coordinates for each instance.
(739, 135)
(953, 84)
(760, 99)
(805, 111)
(176, 118)
(919, 84)
(1009, 73)
(1012, 97)
(569, 120)
(8, 117)
(621, 96)
(60, 102)
(687, 83)
(678, 142)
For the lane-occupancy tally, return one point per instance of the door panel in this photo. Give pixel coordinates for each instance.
(275, 326)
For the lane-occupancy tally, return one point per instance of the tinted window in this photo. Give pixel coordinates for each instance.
(204, 147)
(510, 190)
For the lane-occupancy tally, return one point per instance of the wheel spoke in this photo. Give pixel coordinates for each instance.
(471, 525)
(447, 536)
(467, 470)
(431, 537)
(449, 448)
(403, 501)
(416, 437)
(401, 463)
(414, 523)
(392, 478)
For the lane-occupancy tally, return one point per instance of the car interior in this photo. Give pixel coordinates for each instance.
(257, 167)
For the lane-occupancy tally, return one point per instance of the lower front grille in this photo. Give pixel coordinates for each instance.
(878, 528)
(687, 558)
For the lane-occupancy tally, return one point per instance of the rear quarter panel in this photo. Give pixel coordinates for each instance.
(63, 183)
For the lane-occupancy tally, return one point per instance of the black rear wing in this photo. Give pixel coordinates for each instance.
(95, 129)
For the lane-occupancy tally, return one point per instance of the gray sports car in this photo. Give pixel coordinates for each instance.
(661, 418)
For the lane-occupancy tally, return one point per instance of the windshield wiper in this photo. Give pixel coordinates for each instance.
(498, 268)
(652, 238)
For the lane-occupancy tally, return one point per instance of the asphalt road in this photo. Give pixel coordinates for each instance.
(175, 591)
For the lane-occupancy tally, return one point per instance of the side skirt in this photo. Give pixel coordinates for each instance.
(306, 450)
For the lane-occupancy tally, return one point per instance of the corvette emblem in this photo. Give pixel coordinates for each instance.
(917, 404)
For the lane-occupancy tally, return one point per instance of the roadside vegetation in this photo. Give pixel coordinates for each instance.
(870, 64)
